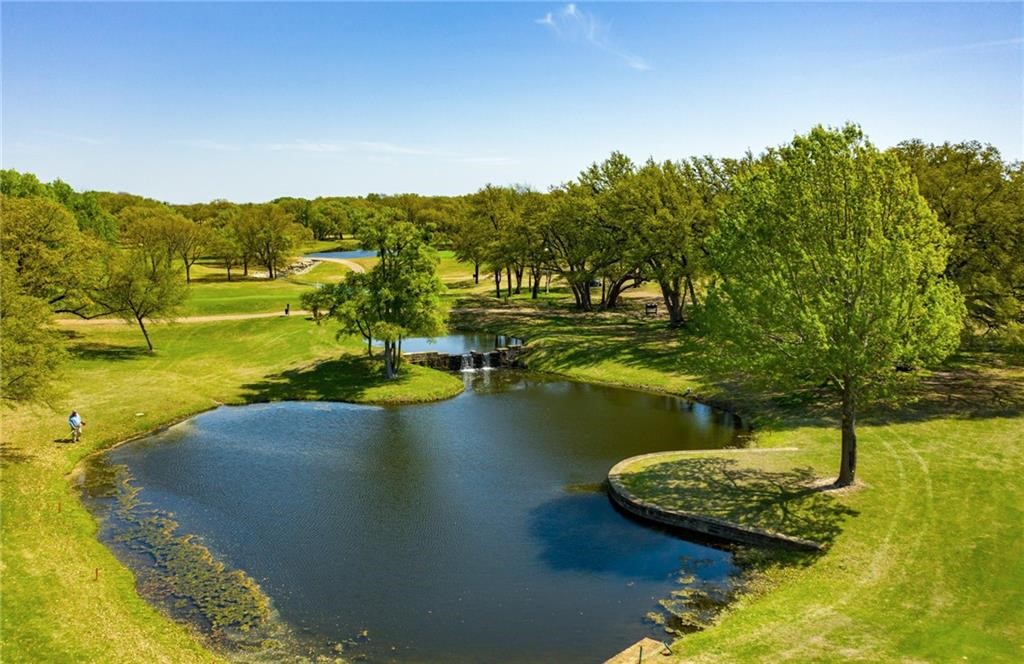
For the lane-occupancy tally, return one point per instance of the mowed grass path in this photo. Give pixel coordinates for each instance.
(53, 608)
(926, 561)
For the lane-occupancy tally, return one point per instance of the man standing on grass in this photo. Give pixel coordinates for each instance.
(76, 423)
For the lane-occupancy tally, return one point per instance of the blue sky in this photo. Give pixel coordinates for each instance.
(188, 102)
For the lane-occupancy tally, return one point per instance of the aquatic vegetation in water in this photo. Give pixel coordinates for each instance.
(696, 604)
(178, 573)
(226, 598)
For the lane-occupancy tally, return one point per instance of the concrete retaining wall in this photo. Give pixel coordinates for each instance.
(698, 523)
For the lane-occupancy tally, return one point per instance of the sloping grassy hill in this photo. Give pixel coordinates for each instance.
(54, 608)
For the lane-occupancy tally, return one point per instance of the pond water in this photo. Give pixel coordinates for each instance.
(457, 344)
(462, 531)
(354, 253)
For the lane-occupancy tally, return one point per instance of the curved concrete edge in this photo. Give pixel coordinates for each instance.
(699, 523)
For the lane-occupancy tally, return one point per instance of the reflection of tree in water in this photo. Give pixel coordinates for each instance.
(582, 532)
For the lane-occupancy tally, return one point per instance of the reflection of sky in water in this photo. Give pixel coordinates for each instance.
(443, 528)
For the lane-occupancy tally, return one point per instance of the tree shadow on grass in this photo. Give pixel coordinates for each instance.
(347, 378)
(101, 352)
(959, 390)
(10, 454)
(786, 501)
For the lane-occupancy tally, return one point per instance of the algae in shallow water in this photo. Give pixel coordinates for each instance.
(184, 575)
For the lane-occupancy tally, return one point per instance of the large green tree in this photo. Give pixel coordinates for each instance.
(50, 258)
(663, 207)
(272, 235)
(980, 199)
(137, 289)
(400, 296)
(31, 348)
(831, 273)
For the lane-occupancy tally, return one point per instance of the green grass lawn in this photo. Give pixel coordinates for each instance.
(211, 294)
(53, 608)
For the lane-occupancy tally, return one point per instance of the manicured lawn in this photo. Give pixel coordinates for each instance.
(53, 608)
(211, 294)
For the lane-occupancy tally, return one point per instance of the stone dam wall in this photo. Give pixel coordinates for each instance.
(500, 358)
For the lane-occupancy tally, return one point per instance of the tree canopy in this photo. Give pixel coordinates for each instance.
(831, 272)
(398, 297)
(980, 200)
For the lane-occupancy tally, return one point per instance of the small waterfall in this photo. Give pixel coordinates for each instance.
(467, 361)
(487, 362)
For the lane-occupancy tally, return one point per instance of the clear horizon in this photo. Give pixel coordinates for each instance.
(249, 102)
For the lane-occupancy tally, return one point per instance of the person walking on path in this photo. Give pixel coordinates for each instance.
(286, 308)
(76, 424)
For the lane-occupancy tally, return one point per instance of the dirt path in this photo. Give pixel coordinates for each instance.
(76, 322)
(352, 265)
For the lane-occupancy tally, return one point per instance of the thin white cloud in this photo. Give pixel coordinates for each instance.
(71, 138)
(486, 161)
(307, 146)
(207, 144)
(391, 148)
(548, 20)
(379, 150)
(948, 50)
(574, 24)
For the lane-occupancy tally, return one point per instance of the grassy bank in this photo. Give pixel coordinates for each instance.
(53, 607)
(925, 555)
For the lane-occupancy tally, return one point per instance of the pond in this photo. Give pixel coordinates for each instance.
(468, 530)
(456, 344)
(354, 253)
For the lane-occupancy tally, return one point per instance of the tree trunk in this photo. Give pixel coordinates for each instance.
(476, 272)
(582, 294)
(610, 299)
(369, 346)
(497, 284)
(245, 268)
(508, 279)
(519, 279)
(674, 302)
(536, 285)
(142, 327)
(229, 273)
(389, 359)
(188, 273)
(848, 461)
(689, 287)
(576, 294)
